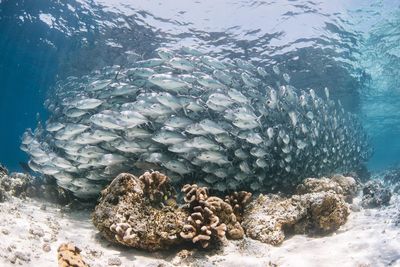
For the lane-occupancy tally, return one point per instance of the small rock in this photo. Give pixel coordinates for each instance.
(114, 261)
(46, 247)
(12, 259)
(43, 207)
(184, 254)
(5, 231)
(36, 231)
(94, 253)
(22, 256)
(355, 207)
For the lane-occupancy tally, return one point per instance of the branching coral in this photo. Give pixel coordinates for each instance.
(211, 218)
(238, 201)
(194, 194)
(203, 225)
(157, 187)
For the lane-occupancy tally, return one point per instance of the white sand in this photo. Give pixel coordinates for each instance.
(369, 238)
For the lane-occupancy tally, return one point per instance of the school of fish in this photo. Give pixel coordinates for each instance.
(219, 123)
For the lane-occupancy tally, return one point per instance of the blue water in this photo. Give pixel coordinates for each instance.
(348, 46)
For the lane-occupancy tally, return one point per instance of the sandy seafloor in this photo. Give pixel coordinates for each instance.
(29, 227)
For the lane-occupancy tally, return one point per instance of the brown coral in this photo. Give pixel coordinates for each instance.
(126, 216)
(194, 194)
(157, 187)
(203, 225)
(69, 256)
(225, 212)
(211, 218)
(238, 201)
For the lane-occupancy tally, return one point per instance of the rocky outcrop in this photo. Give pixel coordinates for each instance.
(325, 213)
(375, 194)
(342, 185)
(317, 209)
(69, 256)
(128, 215)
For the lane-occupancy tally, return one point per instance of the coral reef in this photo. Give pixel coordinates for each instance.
(320, 209)
(349, 185)
(23, 185)
(69, 256)
(375, 194)
(343, 185)
(135, 212)
(17, 184)
(126, 216)
(3, 195)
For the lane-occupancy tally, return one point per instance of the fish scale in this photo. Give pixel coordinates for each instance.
(192, 115)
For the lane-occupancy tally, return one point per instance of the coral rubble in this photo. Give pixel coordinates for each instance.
(375, 194)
